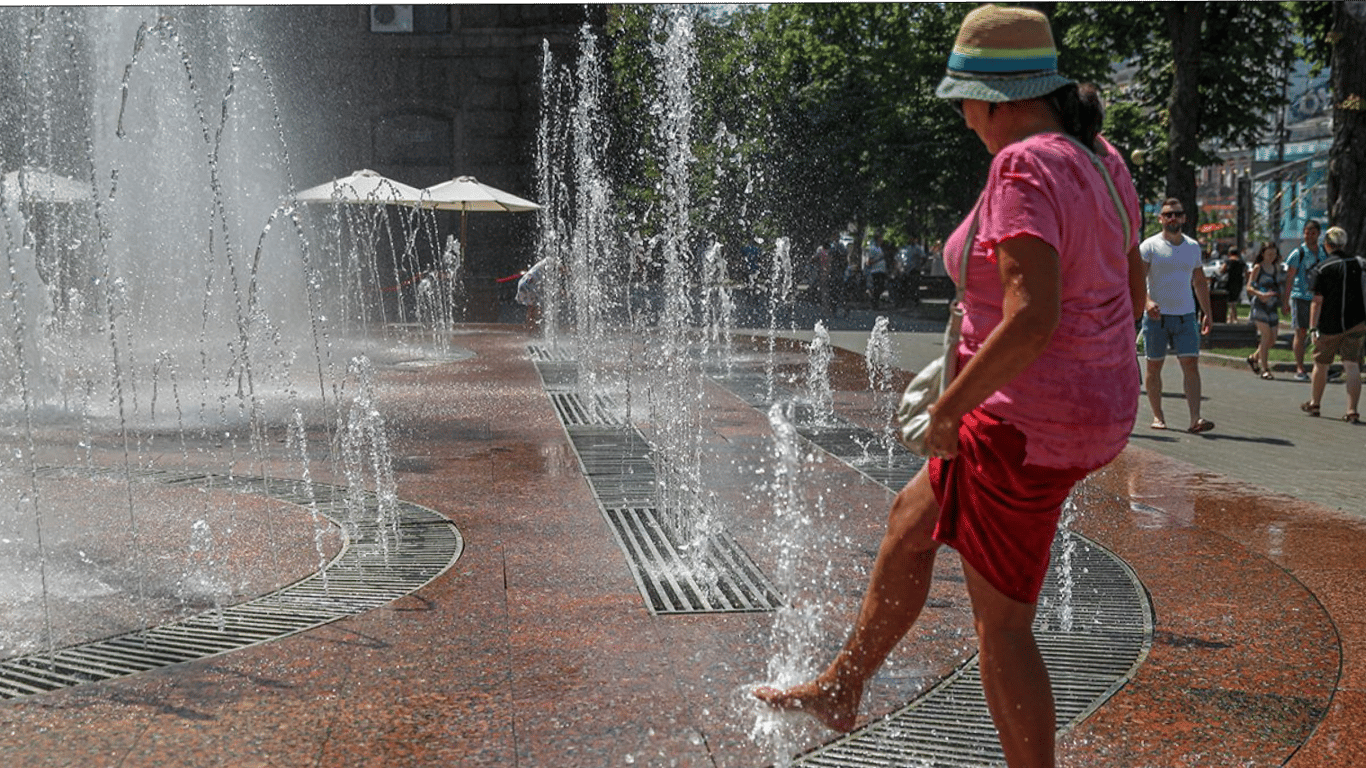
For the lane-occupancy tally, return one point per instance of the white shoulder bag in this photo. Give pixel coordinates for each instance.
(913, 415)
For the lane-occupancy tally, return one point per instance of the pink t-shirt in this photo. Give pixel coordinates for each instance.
(1077, 402)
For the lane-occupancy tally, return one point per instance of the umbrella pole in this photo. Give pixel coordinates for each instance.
(464, 257)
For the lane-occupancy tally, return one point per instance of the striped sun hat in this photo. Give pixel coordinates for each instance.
(1002, 54)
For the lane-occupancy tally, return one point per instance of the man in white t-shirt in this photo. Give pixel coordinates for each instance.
(1172, 261)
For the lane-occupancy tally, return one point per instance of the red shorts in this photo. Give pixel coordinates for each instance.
(999, 514)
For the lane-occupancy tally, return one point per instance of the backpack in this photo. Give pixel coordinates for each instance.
(1361, 260)
(1311, 273)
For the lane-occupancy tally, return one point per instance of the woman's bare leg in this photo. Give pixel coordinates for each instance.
(1014, 677)
(1268, 339)
(897, 589)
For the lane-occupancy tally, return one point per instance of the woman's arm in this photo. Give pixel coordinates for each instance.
(1201, 285)
(1033, 305)
(1138, 282)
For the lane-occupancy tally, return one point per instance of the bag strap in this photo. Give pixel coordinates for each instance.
(953, 331)
(967, 250)
(1109, 184)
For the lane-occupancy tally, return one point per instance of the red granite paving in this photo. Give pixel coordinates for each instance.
(536, 649)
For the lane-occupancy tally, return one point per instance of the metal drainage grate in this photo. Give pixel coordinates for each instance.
(1087, 662)
(711, 575)
(540, 353)
(575, 412)
(719, 577)
(1094, 627)
(378, 563)
(616, 461)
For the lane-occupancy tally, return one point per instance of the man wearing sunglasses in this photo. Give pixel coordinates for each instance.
(1169, 325)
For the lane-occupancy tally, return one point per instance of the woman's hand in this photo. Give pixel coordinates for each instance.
(941, 439)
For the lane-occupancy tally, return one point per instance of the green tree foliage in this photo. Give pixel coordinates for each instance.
(1346, 166)
(858, 134)
(810, 117)
(1207, 75)
(1315, 22)
(632, 164)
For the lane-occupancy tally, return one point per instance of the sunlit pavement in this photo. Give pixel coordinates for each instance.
(536, 648)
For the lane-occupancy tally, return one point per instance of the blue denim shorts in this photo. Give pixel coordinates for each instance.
(1171, 333)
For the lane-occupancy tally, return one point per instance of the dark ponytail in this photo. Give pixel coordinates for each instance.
(1079, 109)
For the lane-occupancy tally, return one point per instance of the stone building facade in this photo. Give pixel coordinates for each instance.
(422, 94)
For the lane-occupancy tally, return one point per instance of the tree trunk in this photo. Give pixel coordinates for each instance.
(1185, 22)
(1347, 158)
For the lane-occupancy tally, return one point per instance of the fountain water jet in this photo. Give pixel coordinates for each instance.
(172, 306)
(878, 357)
(820, 354)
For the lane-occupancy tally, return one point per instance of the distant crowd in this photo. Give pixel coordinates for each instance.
(1320, 289)
(843, 272)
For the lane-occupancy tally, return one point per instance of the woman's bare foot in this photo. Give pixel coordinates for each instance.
(831, 703)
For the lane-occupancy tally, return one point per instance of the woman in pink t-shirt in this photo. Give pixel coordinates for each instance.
(1048, 381)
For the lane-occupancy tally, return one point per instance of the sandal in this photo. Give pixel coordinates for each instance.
(1252, 363)
(1159, 424)
(1203, 425)
(1267, 375)
(1309, 408)
(1352, 417)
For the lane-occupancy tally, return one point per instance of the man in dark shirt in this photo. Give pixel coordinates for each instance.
(1338, 317)
(1234, 270)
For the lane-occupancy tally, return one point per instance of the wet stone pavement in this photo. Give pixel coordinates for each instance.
(536, 648)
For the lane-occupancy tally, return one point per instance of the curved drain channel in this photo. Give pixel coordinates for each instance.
(379, 562)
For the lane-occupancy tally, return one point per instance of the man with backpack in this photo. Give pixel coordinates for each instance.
(1338, 316)
(1298, 286)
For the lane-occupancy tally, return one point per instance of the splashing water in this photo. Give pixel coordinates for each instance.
(678, 408)
(202, 573)
(820, 354)
(590, 235)
(1066, 578)
(368, 462)
(298, 438)
(551, 140)
(718, 306)
(780, 291)
(878, 358)
(796, 629)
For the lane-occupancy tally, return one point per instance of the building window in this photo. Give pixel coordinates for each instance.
(410, 19)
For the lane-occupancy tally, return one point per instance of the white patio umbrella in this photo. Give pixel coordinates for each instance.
(465, 194)
(364, 186)
(45, 186)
